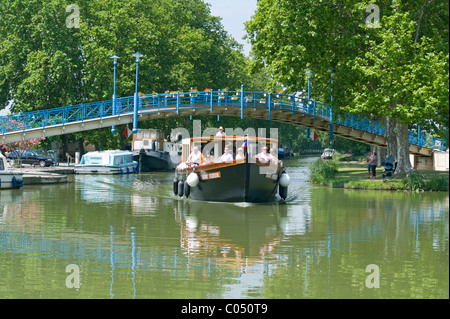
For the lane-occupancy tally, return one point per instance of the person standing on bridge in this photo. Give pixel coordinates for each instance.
(221, 132)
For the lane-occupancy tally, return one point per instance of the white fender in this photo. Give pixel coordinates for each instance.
(192, 179)
(285, 180)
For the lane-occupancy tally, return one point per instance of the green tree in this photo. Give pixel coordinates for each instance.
(397, 72)
(45, 64)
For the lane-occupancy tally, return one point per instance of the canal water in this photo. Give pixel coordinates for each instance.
(129, 237)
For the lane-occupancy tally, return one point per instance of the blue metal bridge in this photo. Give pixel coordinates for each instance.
(279, 107)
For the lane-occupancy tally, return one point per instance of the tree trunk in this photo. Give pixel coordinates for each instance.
(391, 138)
(80, 143)
(121, 137)
(403, 162)
(65, 145)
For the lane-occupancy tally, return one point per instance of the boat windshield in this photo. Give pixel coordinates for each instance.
(91, 160)
(123, 159)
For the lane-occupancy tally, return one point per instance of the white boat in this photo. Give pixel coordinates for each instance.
(107, 162)
(327, 154)
(9, 179)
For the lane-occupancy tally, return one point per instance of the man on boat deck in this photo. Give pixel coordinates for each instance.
(221, 132)
(264, 156)
(196, 157)
(240, 155)
(227, 156)
(274, 157)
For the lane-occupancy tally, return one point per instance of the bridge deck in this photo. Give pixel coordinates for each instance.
(283, 108)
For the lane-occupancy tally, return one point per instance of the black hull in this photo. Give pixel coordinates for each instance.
(154, 161)
(237, 183)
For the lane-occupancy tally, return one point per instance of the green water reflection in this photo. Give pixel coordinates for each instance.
(131, 238)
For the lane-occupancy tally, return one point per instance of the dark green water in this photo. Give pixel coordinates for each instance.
(130, 237)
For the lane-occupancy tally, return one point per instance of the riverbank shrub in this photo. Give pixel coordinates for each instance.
(351, 175)
(417, 182)
(323, 172)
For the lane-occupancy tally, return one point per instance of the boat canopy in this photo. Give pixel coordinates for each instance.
(152, 139)
(107, 158)
(215, 145)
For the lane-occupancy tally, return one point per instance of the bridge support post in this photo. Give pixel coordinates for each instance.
(114, 103)
(418, 135)
(331, 123)
(211, 100)
(178, 102)
(445, 145)
(114, 97)
(293, 104)
(242, 101)
(314, 110)
(137, 55)
(135, 114)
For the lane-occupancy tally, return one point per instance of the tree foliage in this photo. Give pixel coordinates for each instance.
(45, 64)
(399, 70)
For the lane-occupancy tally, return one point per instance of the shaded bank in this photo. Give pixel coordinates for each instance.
(353, 175)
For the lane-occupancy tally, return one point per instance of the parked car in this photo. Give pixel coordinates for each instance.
(31, 157)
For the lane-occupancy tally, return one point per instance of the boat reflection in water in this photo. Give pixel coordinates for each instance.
(232, 231)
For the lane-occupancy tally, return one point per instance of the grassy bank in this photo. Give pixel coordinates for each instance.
(347, 172)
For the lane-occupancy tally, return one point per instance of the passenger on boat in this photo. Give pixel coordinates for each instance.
(196, 157)
(221, 132)
(240, 155)
(210, 158)
(226, 156)
(264, 156)
(274, 157)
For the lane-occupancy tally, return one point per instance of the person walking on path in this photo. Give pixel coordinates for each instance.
(373, 165)
(369, 159)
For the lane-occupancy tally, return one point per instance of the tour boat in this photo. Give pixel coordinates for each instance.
(9, 179)
(107, 162)
(250, 178)
(153, 152)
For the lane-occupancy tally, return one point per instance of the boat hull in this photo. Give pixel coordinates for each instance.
(150, 161)
(6, 180)
(105, 170)
(237, 182)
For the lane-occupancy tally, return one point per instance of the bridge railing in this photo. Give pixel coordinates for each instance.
(177, 101)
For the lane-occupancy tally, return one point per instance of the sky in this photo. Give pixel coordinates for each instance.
(234, 13)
